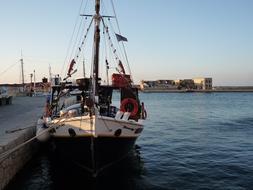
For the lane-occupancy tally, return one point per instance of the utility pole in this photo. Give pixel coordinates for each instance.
(34, 83)
(50, 74)
(22, 72)
(31, 76)
(31, 85)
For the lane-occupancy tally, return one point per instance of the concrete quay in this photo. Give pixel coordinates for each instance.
(17, 125)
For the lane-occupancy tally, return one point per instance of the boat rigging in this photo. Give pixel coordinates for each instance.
(87, 126)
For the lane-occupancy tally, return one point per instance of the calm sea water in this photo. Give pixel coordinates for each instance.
(190, 141)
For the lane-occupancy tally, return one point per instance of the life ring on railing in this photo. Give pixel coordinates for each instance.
(144, 114)
(129, 105)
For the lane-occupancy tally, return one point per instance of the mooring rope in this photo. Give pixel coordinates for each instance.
(122, 41)
(8, 152)
(72, 36)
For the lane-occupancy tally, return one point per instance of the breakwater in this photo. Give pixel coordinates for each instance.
(215, 89)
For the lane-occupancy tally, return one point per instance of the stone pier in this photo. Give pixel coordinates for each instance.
(17, 125)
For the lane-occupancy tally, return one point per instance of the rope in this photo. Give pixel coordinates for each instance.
(78, 51)
(122, 42)
(92, 144)
(110, 130)
(106, 58)
(8, 152)
(110, 40)
(72, 36)
(3, 72)
(114, 52)
(76, 40)
(111, 26)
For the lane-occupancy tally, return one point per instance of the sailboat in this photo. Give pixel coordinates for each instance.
(81, 118)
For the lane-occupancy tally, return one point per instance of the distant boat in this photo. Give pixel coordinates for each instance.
(86, 126)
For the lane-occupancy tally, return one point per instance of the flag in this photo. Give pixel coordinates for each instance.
(71, 67)
(120, 38)
(121, 67)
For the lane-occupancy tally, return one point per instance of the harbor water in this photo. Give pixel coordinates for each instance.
(190, 141)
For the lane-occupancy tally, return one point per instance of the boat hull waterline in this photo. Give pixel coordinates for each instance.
(94, 143)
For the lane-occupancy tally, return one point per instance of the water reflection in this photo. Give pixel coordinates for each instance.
(45, 171)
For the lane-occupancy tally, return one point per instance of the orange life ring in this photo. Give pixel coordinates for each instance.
(125, 106)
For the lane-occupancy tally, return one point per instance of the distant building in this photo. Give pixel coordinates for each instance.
(17, 89)
(178, 84)
(158, 85)
(185, 84)
(12, 89)
(203, 83)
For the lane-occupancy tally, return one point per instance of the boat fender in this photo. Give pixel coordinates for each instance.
(44, 126)
(52, 130)
(72, 132)
(129, 103)
(138, 130)
(48, 110)
(143, 111)
(117, 133)
(41, 134)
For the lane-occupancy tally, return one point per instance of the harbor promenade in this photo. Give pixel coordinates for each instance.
(17, 125)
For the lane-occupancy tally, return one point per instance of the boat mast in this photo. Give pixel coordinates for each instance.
(97, 19)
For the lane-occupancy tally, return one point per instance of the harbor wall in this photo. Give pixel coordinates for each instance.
(11, 163)
(17, 125)
(197, 91)
(154, 90)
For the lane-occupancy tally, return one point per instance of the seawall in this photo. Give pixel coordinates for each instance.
(17, 125)
(197, 91)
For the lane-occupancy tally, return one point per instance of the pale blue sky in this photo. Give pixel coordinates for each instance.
(167, 39)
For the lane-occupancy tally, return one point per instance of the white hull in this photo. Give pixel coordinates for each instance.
(96, 126)
(94, 143)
